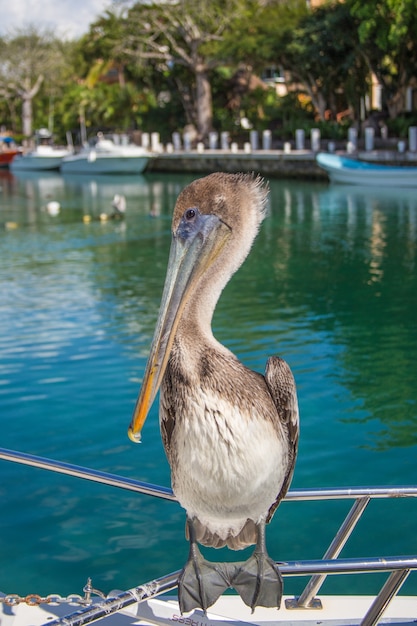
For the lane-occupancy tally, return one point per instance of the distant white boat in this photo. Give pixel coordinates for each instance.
(45, 156)
(353, 172)
(107, 156)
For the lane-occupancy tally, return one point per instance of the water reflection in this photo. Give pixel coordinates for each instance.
(26, 194)
(360, 283)
(94, 194)
(331, 261)
(331, 285)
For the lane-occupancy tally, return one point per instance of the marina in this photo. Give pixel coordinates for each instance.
(330, 286)
(116, 154)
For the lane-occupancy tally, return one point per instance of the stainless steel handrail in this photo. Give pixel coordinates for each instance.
(363, 497)
(167, 583)
(387, 593)
(96, 476)
(334, 550)
(330, 564)
(130, 484)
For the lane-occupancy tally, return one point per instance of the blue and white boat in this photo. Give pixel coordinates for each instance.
(350, 171)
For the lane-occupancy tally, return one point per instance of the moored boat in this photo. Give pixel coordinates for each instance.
(8, 151)
(350, 171)
(45, 156)
(107, 156)
(7, 157)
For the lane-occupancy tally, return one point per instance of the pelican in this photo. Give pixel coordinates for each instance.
(230, 434)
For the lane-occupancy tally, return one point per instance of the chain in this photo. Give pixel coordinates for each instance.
(33, 599)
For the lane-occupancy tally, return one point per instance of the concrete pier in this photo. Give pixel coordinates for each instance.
(298, 164)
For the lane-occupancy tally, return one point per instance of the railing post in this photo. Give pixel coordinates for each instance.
(387, 593)
(332, 552)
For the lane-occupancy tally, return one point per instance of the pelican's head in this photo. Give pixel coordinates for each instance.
(215, 221)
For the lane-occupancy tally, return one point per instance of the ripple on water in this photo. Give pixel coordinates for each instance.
(330, 285)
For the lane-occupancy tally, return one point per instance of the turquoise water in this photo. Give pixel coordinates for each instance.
(331, 285)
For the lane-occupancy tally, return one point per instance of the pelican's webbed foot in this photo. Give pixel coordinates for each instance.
(201, 582)
(258, 580)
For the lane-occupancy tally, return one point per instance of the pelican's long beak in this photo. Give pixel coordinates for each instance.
(196, 243)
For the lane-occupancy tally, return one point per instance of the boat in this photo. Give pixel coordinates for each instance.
(342, 169)
(107, 154)
(45, 155)
(155, 602)
(8, 151)
(7, 156)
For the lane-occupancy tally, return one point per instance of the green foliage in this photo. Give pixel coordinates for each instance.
(33, 67)
(104, 106)
(398, 127)
(291, 113)
(323, 54)
(256, 29)
(388, 32)
(139, 65)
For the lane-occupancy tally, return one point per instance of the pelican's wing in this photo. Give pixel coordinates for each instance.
(167, 411)
(281, 385)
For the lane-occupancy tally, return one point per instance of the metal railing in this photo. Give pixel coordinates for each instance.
(400, 567)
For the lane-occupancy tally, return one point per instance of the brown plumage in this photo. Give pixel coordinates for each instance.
(230, 434)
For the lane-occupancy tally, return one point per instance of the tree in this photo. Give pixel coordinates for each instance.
(388, 34)
(322, 53)
(250, 45)
(109, 88)
(27, 59)
(103, 48)
(182, 39)
(252, 41)
(7, 98)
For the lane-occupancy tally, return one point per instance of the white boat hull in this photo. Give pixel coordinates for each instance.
(107, 156)
(44, 158)
(336, 611)
(104, 164)
(351, 172)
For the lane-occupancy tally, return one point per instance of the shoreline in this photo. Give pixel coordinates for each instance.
(296, 164)
(274, 163)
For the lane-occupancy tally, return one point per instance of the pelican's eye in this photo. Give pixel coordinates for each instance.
(190, 214)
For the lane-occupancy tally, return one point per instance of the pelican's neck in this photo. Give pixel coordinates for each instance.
(196, 319)
(195, 327)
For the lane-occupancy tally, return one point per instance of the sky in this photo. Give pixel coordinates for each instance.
(69, 19)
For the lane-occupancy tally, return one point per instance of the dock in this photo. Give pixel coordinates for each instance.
(286, 160)
(297, 164)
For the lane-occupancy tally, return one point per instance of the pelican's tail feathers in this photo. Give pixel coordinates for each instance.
(247, 536)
